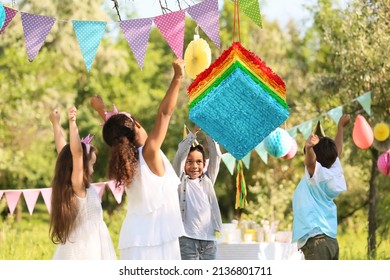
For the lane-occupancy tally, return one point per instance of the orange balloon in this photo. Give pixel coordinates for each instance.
(362, 133)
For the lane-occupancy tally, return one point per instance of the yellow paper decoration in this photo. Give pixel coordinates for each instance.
(381, 131)
(197, 57)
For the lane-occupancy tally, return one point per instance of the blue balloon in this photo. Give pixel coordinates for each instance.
(2, 15)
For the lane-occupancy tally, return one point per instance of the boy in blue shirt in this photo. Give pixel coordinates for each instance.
(315, 213)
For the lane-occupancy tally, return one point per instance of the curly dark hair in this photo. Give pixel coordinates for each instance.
(119, 134)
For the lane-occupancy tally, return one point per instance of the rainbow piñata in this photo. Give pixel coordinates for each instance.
(238, 100)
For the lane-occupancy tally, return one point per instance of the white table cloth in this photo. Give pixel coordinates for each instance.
(258, 251)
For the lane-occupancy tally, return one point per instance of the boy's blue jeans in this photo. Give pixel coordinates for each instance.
(321, 247)
(195, 249)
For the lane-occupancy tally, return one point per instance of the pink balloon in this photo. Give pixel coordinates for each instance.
(293, 149)
(384, 163)
(362, 133)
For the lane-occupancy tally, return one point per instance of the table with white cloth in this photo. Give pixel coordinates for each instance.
(258, 251)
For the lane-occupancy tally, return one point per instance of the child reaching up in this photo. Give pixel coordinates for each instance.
(198, 203)
(153, 224)
(315, 213)
(76, 217)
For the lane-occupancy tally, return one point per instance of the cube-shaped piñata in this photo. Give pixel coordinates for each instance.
(238, 100)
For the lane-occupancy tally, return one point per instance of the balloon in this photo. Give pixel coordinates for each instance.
(278, 143)
(293, 149)
(381, 131)
(362, 133)
(2, 15)
(197, 57)
(383, 163)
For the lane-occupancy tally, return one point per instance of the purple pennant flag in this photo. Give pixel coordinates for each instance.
(9, 15)
(35, 29)
(137, 33)
(206, 15)
(172, 28)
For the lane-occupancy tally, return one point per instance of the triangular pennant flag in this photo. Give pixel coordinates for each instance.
(9, 15)
(31, 197)
(365, 102)
(206, 15)
(306, 128)
(336, 114)
(171, 27)
(117, 192)
(185, 131)
(99, 188)
(229, 161)
(137, 33)
(1, 194)
(293, 132)
(252, 10)
(319, 130)
(12, 198)
(46, 194)
(89, 34)
(247, 160)
(262, 152)
(241, 191)
(35, 28)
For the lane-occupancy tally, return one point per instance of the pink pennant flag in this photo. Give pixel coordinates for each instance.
(137, 33)
(36, 28)
(46, 194)
(12, 197)
(31, 197)
(117, 192)
(9, 15)
(171, 27)
(206, 15)
(1, 194)
(99, 188)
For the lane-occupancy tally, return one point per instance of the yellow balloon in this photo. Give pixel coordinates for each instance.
(197, 57)
(381, 131)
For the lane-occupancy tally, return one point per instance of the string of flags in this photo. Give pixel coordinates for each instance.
(305, 128)
(12, 197)
(89, 33)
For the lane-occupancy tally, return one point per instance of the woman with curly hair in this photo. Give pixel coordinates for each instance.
(153, 223)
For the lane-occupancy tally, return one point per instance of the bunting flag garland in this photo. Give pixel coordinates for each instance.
(206, 16)
(137, 32)
(31, 195)
(174, 36)
(241, 191)
(36, 28)
(89, 34)
(9, 15)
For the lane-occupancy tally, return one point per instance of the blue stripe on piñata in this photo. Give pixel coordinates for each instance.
(238, 114)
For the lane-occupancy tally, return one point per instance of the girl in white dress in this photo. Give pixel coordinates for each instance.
(76, 218)
(153, 222)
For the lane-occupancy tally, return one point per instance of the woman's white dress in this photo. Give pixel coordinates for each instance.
(153, 222)
(90, 240)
